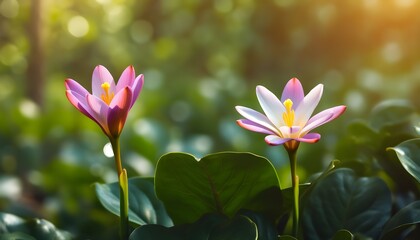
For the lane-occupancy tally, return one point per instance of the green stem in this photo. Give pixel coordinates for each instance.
(295, 187)
(115, 142)
(123, 182)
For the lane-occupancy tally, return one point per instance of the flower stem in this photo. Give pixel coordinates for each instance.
(295, 187)
(123, 183)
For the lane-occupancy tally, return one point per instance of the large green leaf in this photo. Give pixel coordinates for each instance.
(13, 227)
(407, 217)
(266, 229)
(209, 227)
(391, 112)
(408, 153)
(223, 183)
(342, 200)
(144, 207)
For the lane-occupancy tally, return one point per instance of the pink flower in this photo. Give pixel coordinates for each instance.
(109, 103)
(288, 120)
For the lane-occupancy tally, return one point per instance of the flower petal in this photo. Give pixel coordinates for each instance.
(99, 111)
(310, 138)
(305, 109)
(101, 75)
(293, 91)
(271, 106)
(79, 102)
(126, 79)
(136, 88)
(275, 140)
(252, 126)
(336, 111)
(324, 117)
(75, 87)
(289, 132)
(256, 117)
(118, 111)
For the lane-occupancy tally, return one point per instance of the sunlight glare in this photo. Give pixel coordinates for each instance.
(404, 3)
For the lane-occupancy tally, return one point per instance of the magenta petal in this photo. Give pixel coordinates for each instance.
(119, 108)
(275, 140)
(79, 102)
(252, 126)
(126, 79)
(293, 91)
(99, 111)
(136, 88)
(101, 75)
(310, 138)
(75, 87)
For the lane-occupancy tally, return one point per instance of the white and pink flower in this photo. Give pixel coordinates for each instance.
(288, 120)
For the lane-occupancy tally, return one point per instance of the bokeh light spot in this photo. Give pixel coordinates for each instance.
(391, 52)
(29, 109)
(223, 6)
(78, 26)
(354, 100)
(108, 150)
(141, 31)
(9, 8)
(180, 111)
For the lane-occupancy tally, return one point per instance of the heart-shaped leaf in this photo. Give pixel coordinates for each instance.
(408, 153)
(342, 200)
(222, 183)
(405, 218)
(144, 207)
(13, 227)
(209, 227)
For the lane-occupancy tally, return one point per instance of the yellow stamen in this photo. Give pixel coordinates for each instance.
(289, 115)
(107, 97)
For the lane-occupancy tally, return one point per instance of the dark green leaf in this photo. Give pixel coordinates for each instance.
(222, 183)
(16, 236)
(266, 229)
(391, 112)
(209, 227)
(287, 237)
(14, 227)
(342, 200)
(343, 235)
(144, 207)
(408, 153)
(405, 218)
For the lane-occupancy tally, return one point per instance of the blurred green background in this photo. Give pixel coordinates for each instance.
(200, 59)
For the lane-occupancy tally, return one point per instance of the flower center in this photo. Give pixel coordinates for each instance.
(107, 96)
(289, 115)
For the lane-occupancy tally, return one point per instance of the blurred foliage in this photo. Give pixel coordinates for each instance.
(200, 59)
